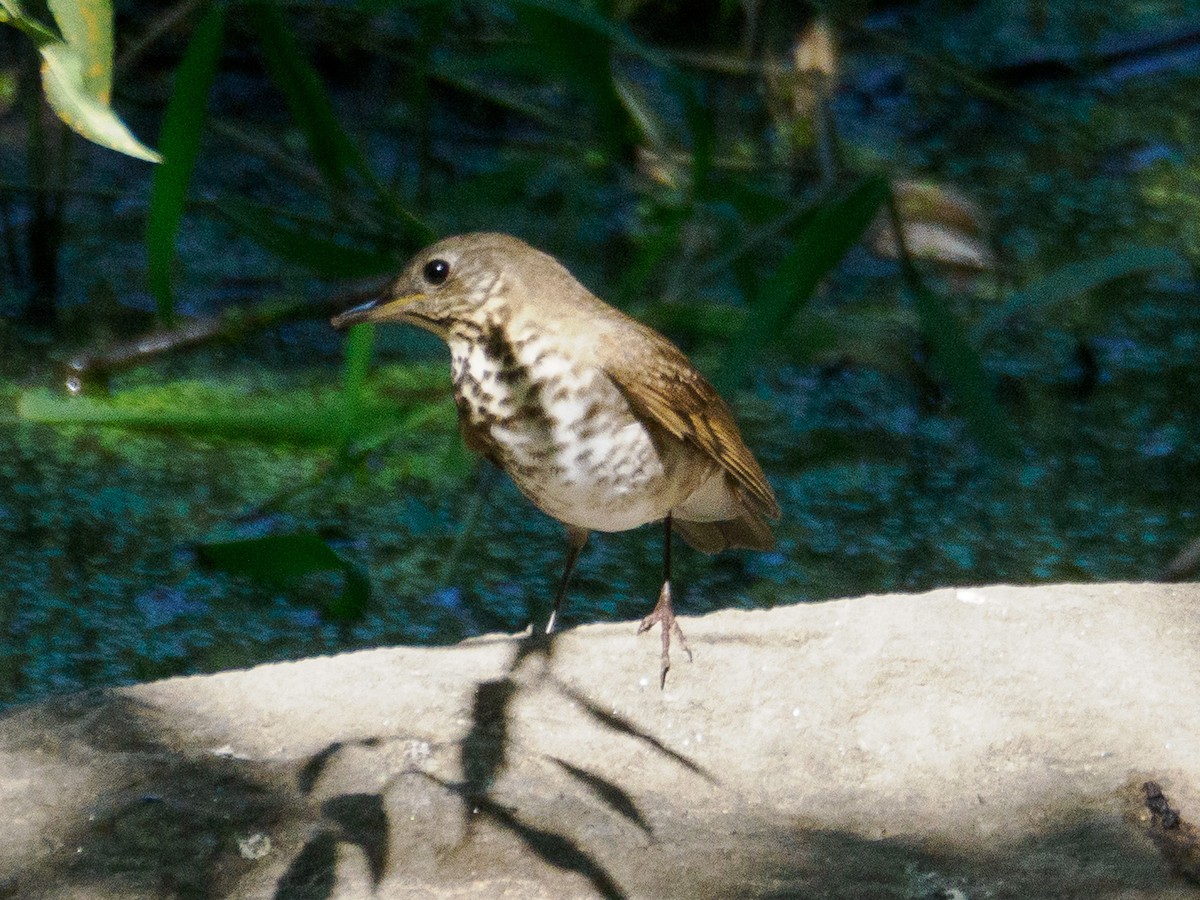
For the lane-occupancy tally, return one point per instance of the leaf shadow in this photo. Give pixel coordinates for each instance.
(609, 793)
(621, 725)
(312, 874)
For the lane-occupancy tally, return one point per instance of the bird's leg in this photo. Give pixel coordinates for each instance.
(576, 538)
(663, 613)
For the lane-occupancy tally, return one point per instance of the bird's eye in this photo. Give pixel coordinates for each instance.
(436, 271)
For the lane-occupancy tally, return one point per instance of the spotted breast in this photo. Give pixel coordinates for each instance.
(563, 432)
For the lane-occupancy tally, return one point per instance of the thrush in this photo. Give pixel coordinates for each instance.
(600, 421)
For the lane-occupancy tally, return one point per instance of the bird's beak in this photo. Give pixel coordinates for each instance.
(380, 309)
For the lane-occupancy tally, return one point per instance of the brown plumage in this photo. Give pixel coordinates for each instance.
(602, 422)
(672, 395)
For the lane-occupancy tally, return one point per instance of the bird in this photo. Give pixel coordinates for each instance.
(599, 420)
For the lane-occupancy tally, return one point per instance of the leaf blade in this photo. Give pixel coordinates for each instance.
(1077, 278)
(960, 364)
(306, 420)
(359, 344)
(280, 559)
(179, 141)
(66, 91)
(87, 28)
(31, 27)
(304, 93)
(823, 239)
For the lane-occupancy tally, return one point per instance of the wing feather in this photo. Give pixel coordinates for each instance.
(668, 390)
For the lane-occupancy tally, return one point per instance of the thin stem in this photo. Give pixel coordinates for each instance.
(10, 236)
(667, 549)
(160, 26)
(475, 508)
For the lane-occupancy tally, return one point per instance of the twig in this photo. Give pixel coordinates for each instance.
(161, 25)
(82, 370)
(305, 174)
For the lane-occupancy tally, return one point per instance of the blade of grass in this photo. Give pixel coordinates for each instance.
(180, 143)
(958, 362)
(822, 240)
(573, 47)
(332, 149)
(300, 418)
(1078, 278)
(954, 357)
(702, 125)
(587, 19)
(359, 343)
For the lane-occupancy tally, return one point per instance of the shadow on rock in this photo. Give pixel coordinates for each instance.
(151, 819)
(125, 804)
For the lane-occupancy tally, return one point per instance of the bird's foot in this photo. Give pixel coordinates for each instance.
(664, 615)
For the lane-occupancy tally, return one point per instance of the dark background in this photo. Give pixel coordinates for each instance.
(1014, 398)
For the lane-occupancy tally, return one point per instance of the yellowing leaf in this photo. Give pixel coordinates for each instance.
(816, 50)
(86, 26)
(66, 89)
(77, 69)
(937, 243)
(940, 225)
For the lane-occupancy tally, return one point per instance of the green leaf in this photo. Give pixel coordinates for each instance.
(280, 559)
(1076, 279)
(299, 418)
(588, 21)
(359, 343)
(953, 356)
(958, 362)
(303, 245)
(13, 13)
(823, 239)
(573, 47)
(702, 125)
(332, 149)
(180, 143)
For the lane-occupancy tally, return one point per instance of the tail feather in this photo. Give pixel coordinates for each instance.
(748, 530)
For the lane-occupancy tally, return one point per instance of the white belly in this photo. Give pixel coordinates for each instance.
(586, 461)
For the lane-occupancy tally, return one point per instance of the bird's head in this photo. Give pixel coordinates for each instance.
(451, 281)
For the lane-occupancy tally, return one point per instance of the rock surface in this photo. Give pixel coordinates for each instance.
(980, 742)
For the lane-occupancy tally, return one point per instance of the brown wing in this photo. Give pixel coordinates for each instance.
(662, 385)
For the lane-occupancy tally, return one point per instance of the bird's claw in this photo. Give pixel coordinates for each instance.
(664, 614)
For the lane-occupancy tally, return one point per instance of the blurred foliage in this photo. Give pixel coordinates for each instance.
(907, 240)
(822, 239)
(315, 418)
(179, 138)
(285, 558)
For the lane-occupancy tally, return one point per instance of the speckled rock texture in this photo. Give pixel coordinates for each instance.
(979, 742)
